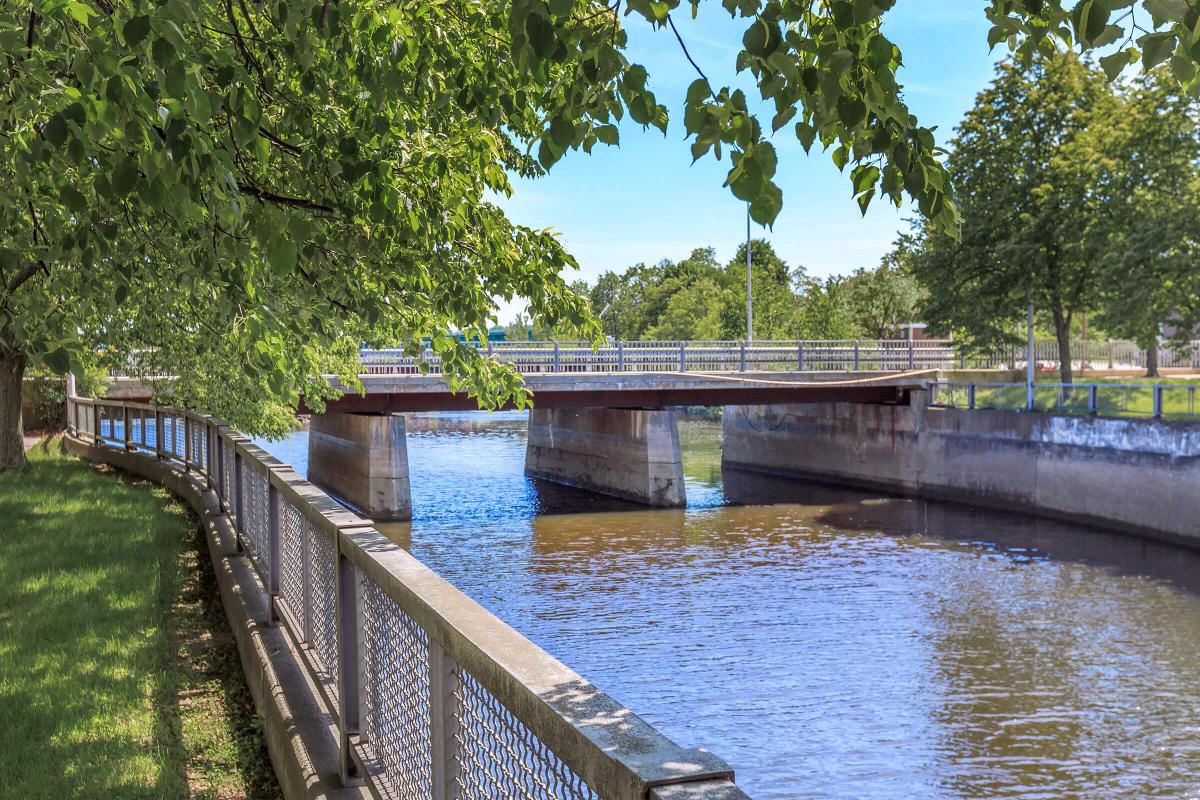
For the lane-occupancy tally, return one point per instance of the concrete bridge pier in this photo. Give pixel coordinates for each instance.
(362, 459)
(627, 453)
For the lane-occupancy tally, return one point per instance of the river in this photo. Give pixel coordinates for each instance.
(831, 643)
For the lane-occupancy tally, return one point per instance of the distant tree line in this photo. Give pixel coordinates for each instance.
(699, 298)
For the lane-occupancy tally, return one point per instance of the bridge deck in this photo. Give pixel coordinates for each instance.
(650, 390)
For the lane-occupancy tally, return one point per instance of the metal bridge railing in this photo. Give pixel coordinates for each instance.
(711, 356)
(433, 697)
(1159, 401)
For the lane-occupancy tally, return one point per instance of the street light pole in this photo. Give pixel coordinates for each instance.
(1029, 347)
(749, 284)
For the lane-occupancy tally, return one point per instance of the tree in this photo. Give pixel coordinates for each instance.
(1148, 239)
(253, 189)
(824, 311)
(1025, 172)
(886, 297)
(772, 287)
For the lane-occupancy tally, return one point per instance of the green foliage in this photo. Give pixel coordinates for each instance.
(880, 300)
(252, 187)
(1148, 240)
(1024, 162)
(48, 393)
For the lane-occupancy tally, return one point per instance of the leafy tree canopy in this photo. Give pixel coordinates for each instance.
(252, 189)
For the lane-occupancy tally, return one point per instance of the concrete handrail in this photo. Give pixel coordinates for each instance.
(427, 689)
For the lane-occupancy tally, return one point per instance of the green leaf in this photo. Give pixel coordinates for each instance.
(72, 199)
(1156, 48)
(1167, 10)
(282, 257)
(59, 361)
(124, 177)
(136, 30)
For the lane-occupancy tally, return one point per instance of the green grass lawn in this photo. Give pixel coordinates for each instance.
(119, 677)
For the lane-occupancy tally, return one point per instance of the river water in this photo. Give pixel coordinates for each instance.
(831, 643)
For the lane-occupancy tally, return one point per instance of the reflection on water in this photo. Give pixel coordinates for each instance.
(834, 643)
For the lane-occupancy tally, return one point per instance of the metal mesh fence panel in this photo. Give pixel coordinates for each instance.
(499, 757)
(322, 566)
(397, 719)
(291, 557)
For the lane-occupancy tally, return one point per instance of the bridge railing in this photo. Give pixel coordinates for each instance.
(432, 696)
(1160, 401)
(677, 356)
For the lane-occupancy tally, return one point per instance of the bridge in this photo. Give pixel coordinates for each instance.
(603, 418)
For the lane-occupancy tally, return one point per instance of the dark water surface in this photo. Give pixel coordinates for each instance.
(832, 644)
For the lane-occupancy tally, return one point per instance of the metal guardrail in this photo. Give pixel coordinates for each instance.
(1159, 401)
(848, 355)
(715, 356)
(433, 697)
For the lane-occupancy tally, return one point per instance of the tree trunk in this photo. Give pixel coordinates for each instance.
(12, 372)
(1062, 332)
(1152, 359)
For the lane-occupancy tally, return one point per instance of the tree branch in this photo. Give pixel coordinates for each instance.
(33, 20)
(27, 272)
(282, 200)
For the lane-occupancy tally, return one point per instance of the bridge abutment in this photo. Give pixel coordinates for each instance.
(628, 453)
(1134, 475)
(363, 460)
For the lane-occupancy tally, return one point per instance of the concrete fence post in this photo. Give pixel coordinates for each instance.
(856, 355)
(443, 733)
(620, 356)
(239, 511)
(347, 614)
(742, 356)
(160, 450)
(682, 357)
(557, 359)
(126, 430)
(911, 354)
(800, 356)
(187, 443)
(273, 562)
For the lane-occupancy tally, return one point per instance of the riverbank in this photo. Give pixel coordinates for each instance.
(119, 676)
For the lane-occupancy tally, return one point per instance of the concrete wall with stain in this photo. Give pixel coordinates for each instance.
(1135, 475)
(363, 460)
(628, 453)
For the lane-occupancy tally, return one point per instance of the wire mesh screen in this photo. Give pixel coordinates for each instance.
(254, 510)
(397, 718)
(322, 563)
(292, 536)
(499, 757)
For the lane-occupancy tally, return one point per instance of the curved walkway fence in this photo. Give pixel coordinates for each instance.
(432, 696)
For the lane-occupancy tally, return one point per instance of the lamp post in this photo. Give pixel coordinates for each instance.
(749, 284)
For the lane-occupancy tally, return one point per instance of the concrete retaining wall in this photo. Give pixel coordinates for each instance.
(300, 734)
(363, 460)
(1126, 474)
(627, 453)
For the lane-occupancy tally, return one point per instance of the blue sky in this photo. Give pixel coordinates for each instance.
(646, 201)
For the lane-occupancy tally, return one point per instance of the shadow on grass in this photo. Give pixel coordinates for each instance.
(98, 698)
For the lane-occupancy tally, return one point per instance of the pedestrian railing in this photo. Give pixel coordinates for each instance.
(1111, 399)
(714, 356)
(432, 696)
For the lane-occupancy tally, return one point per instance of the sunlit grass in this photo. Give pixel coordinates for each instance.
(117, 679)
